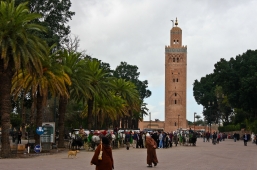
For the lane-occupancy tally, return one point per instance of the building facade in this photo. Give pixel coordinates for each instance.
(175, 81)
(175, 85)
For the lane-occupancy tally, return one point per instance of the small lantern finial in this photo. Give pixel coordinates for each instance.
(176, 23)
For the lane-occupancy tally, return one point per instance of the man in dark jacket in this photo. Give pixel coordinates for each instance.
(245, 139)
(127, 139)
(19, 137)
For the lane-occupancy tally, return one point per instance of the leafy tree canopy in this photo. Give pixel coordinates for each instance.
(231, 89)
(130, 73)
(55, 16)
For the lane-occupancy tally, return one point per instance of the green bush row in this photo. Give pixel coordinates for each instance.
(229, 128)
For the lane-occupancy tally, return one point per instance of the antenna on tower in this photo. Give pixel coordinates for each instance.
(172, 23)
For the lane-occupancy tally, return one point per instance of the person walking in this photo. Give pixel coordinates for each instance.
(170, 139)
(175, 138)
(127, 139)
(204, 136)
(214, 138)
(140, 140)
(235, 137)
(245, 139)
(151, 146)
(255, 138)
(143, 137)
(252, 137)
(106, 161)
(135, 140)
(160, 140)
(208, 136)
(19, 137)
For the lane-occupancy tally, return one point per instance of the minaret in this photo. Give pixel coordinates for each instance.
(175, 81)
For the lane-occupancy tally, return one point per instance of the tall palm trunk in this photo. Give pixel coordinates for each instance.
(122, 123)
(23, 118)
(32, 111)
(136, 123)
(5, 108)
(62, 110)
(130, 119)
(39, 119)
(90, 103)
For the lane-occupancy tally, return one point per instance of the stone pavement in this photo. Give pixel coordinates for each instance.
(227, 155)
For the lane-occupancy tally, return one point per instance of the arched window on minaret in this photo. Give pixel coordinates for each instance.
(177, 41)
(175, 101)
(175, 123)
(174, 59)
(177, 80)
(174, 42)
(177, 60)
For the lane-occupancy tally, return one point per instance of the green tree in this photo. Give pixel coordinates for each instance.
(128, 92)
(130, 73)
(197, 117)
(204, 94)
(238, 80)
(15, 121)
(74, 66)
(19, 49)
(53, 80)
(98, 86)
(232, 88)
(106, 111)
(55, 16)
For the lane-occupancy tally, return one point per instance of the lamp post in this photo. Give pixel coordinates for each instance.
(194, 120)
(178, 122)
(150, 120)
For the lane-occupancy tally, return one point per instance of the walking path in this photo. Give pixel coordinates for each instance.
(227, 155)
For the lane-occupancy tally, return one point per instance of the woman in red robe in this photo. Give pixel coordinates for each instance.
(151, 151)
(107, 160)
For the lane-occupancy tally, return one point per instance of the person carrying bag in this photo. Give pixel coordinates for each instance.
(100, 154)
(102, 157)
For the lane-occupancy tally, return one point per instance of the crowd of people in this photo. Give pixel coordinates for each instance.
(156, 140)
(162, 139)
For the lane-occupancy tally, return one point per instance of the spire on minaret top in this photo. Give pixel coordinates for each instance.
(176, 23)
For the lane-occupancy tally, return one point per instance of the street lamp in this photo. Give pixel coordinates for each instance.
(150, 120)
(178, 122)
(194, 120)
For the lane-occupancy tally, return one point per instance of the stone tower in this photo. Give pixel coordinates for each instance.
(175, 81)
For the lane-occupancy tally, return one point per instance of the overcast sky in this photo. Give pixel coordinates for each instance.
(136, 31)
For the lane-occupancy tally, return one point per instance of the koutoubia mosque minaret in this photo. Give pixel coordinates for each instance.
(175, 81)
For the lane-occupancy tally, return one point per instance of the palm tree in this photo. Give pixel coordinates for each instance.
(53, 81)
(20, 48)
(98, 86)
(73, 65)
(106, 111)
(197, 117)
(128, 92)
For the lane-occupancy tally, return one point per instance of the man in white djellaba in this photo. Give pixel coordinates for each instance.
(252, 137)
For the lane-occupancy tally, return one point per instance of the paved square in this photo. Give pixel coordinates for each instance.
(204, 156)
